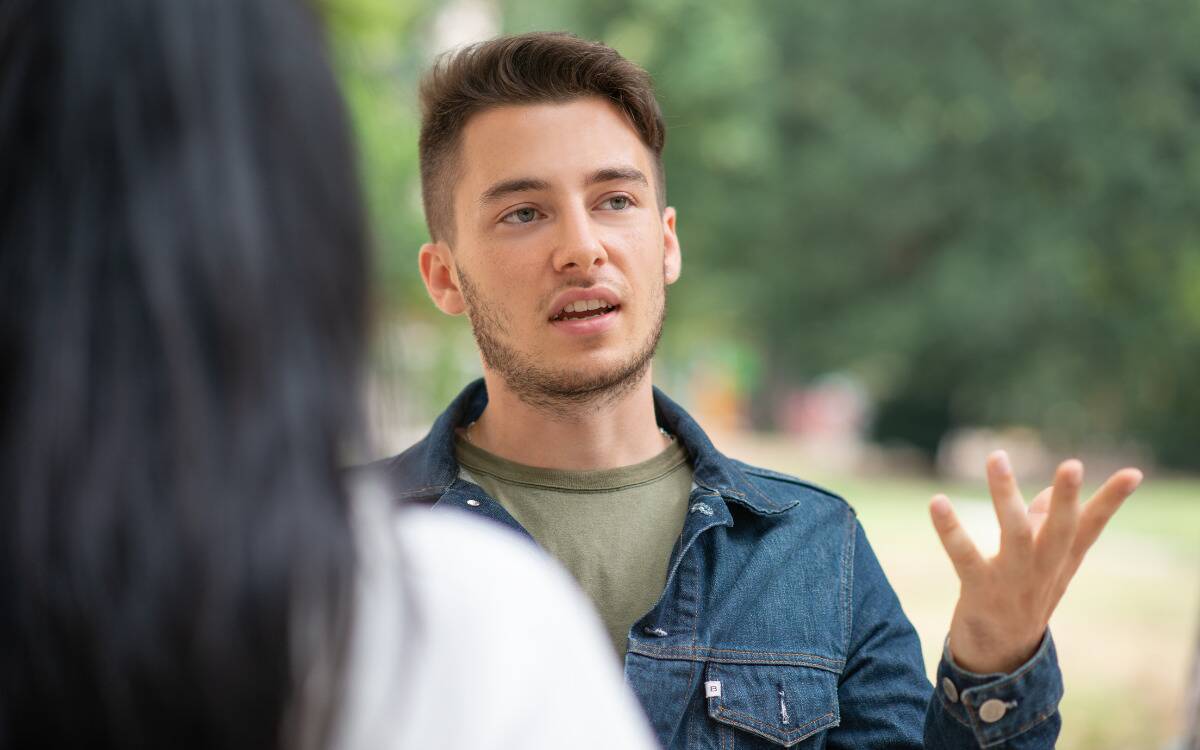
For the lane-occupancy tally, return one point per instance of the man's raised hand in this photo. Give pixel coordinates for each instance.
(1005, 601)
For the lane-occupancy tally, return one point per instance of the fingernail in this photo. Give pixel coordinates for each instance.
(1002, 463)
(1138, 477)
(941, 506)
(1074, 469)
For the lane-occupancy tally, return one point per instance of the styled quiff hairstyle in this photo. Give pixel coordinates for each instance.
(534, 68)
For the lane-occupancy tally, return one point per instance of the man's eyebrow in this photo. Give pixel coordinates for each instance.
(617, 174)
(529, 184)
(507, 187)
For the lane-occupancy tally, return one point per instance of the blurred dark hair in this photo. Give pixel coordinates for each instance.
(182, 314)
(534, 68)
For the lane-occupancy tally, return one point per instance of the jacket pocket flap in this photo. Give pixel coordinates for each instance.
(783, 704)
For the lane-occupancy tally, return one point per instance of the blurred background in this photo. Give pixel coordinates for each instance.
(913, 231)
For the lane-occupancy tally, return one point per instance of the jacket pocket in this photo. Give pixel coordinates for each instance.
(781, 704)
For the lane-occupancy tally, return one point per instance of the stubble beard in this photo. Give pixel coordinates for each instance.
(558, 392)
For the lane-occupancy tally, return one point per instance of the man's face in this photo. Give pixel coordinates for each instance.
(561, 254)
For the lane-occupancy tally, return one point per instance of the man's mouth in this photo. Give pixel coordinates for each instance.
(584, 309)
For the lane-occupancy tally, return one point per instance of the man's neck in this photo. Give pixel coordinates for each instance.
(606, 435)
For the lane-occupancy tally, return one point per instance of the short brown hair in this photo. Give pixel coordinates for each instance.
(530, 68)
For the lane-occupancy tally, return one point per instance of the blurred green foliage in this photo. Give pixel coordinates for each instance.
(989, 212)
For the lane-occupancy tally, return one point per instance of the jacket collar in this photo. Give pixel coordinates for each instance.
(424, 472)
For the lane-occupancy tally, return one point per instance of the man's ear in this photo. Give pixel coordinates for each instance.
(440, 277)
(672, 259)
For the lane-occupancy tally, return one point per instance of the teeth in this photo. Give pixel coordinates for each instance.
(584, 305)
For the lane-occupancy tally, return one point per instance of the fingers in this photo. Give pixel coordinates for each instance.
(957, 542)
(1038, 510)
(1015, 530)
(1093, 517)
(1041, 503)
(1058, 531)
(1102, 506)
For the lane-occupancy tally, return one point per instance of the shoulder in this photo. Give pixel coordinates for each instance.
(460, 618)
(491, 592)
(793, 493)
(420, 473)
(460, 551)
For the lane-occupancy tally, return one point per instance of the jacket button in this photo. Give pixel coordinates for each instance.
(993, 710)
(949, 690)
(473, 503)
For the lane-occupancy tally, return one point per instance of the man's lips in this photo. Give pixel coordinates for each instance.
(589, 323)
(584, 310)
(583, 303)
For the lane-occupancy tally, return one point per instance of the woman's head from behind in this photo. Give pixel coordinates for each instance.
(182, 277)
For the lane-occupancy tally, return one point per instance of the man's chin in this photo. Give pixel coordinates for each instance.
(569, 388)
(592, 378)
(566, 378)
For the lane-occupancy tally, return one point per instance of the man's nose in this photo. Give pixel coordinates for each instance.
(578, 246)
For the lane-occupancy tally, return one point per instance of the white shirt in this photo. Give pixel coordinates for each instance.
(468, 636)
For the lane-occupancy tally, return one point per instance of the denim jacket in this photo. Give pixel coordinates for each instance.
(777, 626)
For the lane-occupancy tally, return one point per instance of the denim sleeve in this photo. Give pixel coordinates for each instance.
(1016, 710)
(886, 699)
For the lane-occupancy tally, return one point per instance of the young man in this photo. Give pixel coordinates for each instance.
(748, 605)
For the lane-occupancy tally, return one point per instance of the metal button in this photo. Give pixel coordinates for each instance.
(949, 689)
(473, 503)
(993, 710)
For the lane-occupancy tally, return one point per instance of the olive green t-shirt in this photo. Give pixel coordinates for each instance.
(613, 528)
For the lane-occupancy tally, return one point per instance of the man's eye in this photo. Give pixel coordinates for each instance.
(520, 216)
(617, 203)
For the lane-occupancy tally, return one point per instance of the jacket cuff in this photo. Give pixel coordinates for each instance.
(999, 707)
